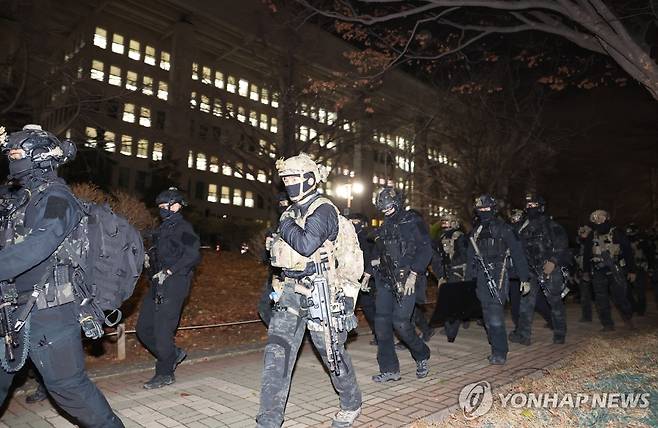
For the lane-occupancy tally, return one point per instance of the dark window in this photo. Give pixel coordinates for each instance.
(113, 109)
(260, 204)
(216, 133)
(141, 181)
(192, 128)
(124, 178)
(160, 118)
(203, 132)
(199, 190)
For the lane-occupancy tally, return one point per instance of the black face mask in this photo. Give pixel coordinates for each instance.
(533, 213)
(485, 216)
(603, 227)
(21, 168)
(165, 213)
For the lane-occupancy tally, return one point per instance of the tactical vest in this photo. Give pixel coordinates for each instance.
(537, 239)
(490, 241)
(448, 241)
(395, 244)
(641, 260)
(602, 243)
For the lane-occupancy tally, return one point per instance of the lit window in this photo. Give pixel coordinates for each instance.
(149, 55)
(226, 195)
(263, 121)
(165, 61)
(206, 75)
(97, 72)
(131, 80)
(158, 148)
(163, 90)
(195, 71)
(264, 95)
(219, 79)
(133, 50)
(331, 117)
(115, 76)
(253, 118)
(201, 164)
(230, 84)
(229, 110)
(214, 164)
(217, 107)
(322, 115)
(303, 133)
(243, 87)
(190, 159)
(193, 103)
(212, 193)
(303, 110)
(129, 113)
(145, 117)
(237, 172)
(312, 133)
(147, 85)
(237, 197)
(205, 104)
(241, 114)
(275, 100)
(110, 142)
(375, 180)
(253, 92)
(117, 43)
(273, 126)
(261, 176)
(143, 149)
(100, 37)
(249, 199)
(126, 145)
(249, 176)
(91, 134)
(227, 170)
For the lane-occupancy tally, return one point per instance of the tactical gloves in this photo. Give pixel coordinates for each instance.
(365, 283)
(410, 284)
(525, 288)
(549, 267)
(160, 277)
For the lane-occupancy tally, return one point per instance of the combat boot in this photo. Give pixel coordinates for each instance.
(38, 395)
(386, 377)
(497, 360)
(558, 340)
(158, 381)
(517, 338)
(180, 356)
(345, 418)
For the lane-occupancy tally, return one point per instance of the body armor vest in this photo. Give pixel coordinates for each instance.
(602, 243)
(537, 240)
(490, 241)
(641, 260)
(391, 238)
(454, 252)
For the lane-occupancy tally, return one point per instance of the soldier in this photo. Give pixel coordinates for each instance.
(449, 264)
(42, 220)
(608, 258)
(308, 250)
(367, 294)
(404, 249)
(174, 255)
(546, 247)
(637, 289)
(583, 279)
(492, 242)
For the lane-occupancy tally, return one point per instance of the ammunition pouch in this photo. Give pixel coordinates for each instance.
(284, 256)
(59, 290)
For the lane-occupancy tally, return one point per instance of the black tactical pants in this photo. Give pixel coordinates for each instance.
(605, 287)
(285, 336)
(367, 303)
(157, 323)
(637, 292)
(56, 351)
(585, 299)
(493, 314)
(553, 289)
(420, 321)
(541, 304)
(391, 316)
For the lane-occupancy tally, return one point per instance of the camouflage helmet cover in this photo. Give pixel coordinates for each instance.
(300, 165)
(599, 216)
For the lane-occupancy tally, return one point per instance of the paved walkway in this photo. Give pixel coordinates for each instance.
(224, 391)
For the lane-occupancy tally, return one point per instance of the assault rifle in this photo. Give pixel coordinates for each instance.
(8, 296)
(493, 288)
(329, 314)
(387, 268)
(617, 274)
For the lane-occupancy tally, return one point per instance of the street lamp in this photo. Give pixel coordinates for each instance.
(347, 191)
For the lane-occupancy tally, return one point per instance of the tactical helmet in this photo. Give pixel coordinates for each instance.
(389, 197)
(304, 167)
(170, 197)
(632, 229)
(599, 216)
(485, 201)
(533, 198)
(451, 219)
(42, 148)
(584, 231)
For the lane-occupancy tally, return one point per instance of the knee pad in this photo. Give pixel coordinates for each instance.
(277, 351)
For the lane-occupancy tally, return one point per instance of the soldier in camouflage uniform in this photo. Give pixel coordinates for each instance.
(303, 247)
(608, 258)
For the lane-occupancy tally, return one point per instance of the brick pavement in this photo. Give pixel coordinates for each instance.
(224, 391)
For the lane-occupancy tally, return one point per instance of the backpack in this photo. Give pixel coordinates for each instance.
(107, 253)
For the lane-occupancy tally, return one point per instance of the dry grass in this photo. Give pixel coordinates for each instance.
(614, 364)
